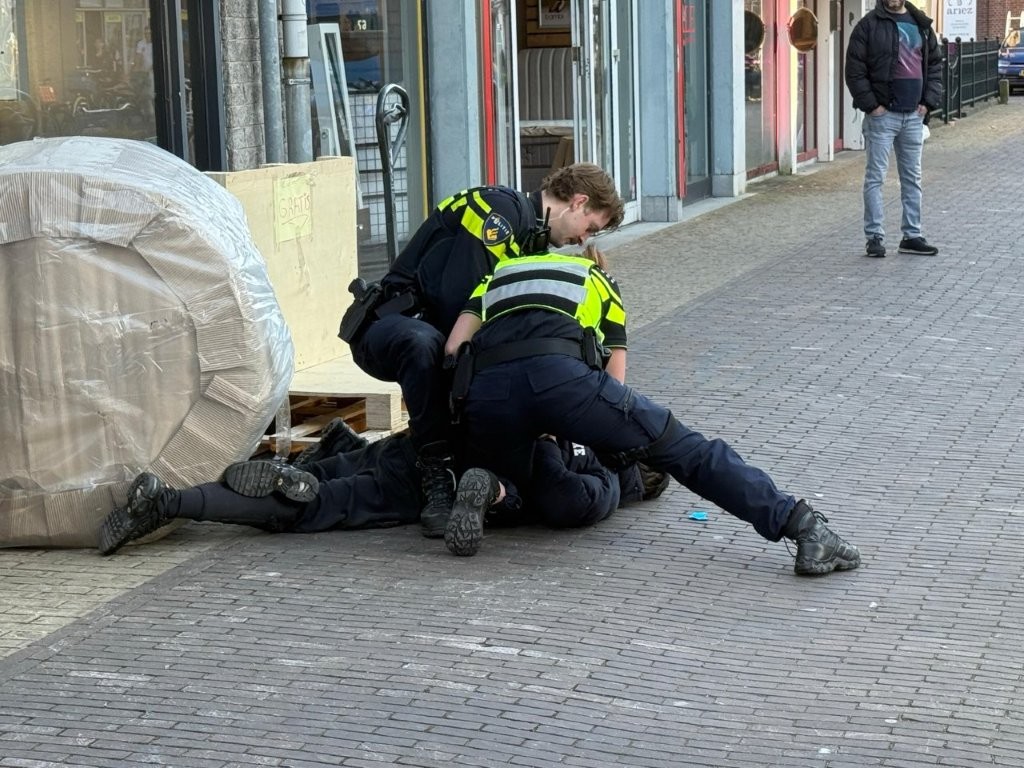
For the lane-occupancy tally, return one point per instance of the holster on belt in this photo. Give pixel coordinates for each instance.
(361, 311)
(463, 377)
(591, 349)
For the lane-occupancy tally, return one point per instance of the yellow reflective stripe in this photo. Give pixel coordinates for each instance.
(574, 294)
(473, 217)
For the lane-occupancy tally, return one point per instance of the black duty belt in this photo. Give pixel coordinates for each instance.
(517, 350)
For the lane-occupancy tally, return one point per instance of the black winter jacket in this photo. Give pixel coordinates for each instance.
(872, 55)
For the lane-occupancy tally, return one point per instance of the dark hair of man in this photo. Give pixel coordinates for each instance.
(590, 180)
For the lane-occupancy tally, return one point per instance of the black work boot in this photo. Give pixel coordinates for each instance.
(337, 437)
(262, 478)
(478, 490)
(438, 481)
(818, 549)
(146, 510)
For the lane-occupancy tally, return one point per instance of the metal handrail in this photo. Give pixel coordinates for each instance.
(387, 115)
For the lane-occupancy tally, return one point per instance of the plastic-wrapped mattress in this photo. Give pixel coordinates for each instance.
(138, 330)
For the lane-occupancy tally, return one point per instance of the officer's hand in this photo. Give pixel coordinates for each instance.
(879, 110)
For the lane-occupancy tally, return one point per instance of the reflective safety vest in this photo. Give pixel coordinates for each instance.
(571, 285)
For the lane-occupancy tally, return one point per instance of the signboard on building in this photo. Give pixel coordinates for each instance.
(553, 13)
(959, 19)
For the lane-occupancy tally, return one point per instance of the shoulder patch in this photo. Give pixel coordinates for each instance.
(496, 230)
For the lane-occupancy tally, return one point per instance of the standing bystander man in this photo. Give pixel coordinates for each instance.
(894, 73)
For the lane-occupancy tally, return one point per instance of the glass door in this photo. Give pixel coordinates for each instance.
(693, 34)
(605, 87)
(503, 134)
(586, 42)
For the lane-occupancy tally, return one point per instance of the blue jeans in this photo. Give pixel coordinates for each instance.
(901, 131)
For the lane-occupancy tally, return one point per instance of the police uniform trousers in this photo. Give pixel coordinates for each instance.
(373, 487)
(510, 403)
(410, 352)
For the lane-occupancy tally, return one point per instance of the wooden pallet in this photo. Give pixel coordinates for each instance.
(337, 389)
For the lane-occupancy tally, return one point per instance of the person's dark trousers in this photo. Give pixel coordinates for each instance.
(373, 487)
(216, 503)
(410, 352)
(509, 404)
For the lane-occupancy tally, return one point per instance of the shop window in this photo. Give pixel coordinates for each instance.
(759, 64)
(75, 69)
(377, 47)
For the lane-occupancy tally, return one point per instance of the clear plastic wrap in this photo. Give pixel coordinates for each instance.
(139, 331)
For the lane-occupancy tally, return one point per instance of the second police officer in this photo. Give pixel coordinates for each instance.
(397, 329)
(540, 328)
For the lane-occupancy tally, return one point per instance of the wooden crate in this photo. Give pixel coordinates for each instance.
(339, 389)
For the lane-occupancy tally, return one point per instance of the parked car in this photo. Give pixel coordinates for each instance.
(1011, 60)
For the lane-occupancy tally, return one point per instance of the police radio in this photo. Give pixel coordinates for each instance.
(539, 238)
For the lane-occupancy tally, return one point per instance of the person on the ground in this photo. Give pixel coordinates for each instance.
(894, 73)
(345, 483)
(537, 334)
(397, 330)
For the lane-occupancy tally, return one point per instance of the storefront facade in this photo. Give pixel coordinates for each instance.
(679, 99)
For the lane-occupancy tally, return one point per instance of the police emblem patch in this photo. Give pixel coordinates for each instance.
(496, 229)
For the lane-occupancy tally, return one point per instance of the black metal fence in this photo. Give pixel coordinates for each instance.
(969, 74)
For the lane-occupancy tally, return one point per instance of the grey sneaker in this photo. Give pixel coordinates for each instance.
(143, 512)
(875, 247)
(917, 246)
(818, 549)
(478, 490)
(262, 478)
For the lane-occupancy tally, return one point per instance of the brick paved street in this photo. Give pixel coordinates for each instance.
(889, 392)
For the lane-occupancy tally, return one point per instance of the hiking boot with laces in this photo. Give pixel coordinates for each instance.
(262, 478)
(438, 482)
(478, 490)
(337, 437)
(818, 549)
(145, 510)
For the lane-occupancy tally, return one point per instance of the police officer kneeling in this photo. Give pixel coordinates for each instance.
(397, 329)
(529, 325)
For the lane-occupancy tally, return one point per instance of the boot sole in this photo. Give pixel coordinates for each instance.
(116, 530)
(262, 478)
(820, 568)
(465, 529)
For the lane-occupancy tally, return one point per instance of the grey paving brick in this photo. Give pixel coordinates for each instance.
(887, 392)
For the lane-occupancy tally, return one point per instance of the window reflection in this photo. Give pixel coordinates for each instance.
(377, 48)
(803, 32)
(70, 68)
